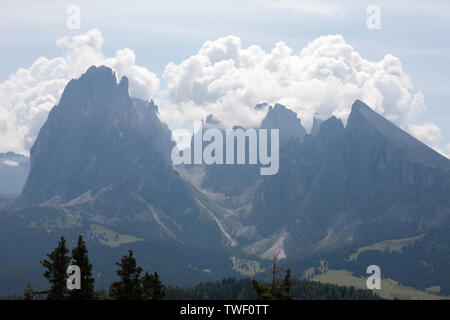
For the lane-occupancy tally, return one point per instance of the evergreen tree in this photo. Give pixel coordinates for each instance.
(80, 259)
(275, 291)
(56, 266)
(283, 292)
(242, 290)
(243, 295)
(262, 291)
(29, 292)
(152, 287)
(129, 287)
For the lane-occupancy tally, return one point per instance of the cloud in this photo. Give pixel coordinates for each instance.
(224, 79)
(447, 151)
(429, 133)
(325, 78)
(30, 93)
(10, 163)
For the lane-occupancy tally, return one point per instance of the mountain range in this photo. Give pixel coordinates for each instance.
(101, 167)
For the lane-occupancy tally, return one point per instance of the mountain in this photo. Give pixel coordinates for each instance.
(233, 180)
(338, 186)
(103, 158)
(284, 119)
(341, 190)
(101, 167)
(367, 181)
(368, 190)
(14, 170)
(233, 186)
(85, 144)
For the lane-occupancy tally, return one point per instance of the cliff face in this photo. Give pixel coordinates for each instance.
(95, 136)
(106, 157)
(368, 181)
(280, 117)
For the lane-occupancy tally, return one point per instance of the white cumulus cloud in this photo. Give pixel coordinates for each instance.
(429, 133)
(227, 80)
(29, 94)
(224, 79)
(447, 151)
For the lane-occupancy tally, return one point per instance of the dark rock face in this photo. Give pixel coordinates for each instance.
(95, 137)
(365, 182)
(106, 156)
(14, 169)
(280, 117)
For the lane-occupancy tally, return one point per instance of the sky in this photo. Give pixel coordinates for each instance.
(222, 57)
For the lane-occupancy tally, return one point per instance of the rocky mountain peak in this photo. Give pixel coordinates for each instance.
(365, 123)
(284, 119)
(331, 126)
(95, 136)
